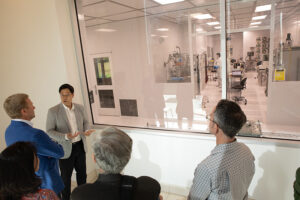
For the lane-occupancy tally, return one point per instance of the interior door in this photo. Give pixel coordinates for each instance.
(102, 84)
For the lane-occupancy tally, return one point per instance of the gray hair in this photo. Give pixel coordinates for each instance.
(229, 117)
(112, 150)
(14, 104)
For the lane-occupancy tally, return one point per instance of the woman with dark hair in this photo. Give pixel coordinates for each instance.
(18, 164)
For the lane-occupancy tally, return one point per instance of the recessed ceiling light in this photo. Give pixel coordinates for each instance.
(81, 16)
(213, 23)
(163, 2)
(263, 8)
(217, 27)
(164, 36)
(106, 30)
(201, 16)
(162, 29)
(255, 23)
(259, 17)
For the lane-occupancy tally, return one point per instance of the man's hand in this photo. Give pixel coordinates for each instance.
(89, 132)
(72, 136)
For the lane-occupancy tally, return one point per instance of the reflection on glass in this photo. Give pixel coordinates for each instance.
(102, 68)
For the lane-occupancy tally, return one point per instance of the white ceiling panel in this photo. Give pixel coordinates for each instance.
(137, 4)
(239, 5)
(87, 2)
(104, 9)
(126, 15)
(93, 22)
(205, 2)
(170, 7)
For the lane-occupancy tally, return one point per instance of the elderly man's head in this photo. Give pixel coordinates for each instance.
(112, 150)
(229, 117)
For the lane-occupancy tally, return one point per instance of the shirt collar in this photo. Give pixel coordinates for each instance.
(69, 108)
(23, 120)
(109, 177)
(224, 147)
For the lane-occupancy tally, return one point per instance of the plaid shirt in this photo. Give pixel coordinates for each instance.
(225, 174)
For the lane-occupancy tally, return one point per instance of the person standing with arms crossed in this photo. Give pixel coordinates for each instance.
(67, 124)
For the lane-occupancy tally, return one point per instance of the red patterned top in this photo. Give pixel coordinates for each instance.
(42, 194)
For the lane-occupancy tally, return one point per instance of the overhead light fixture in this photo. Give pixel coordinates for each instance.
(263, 8)
(217, 27)
(213, 23)
(259, 17)
(164, 36)
(201, 16)
(153, 35)
(255, 23)
(297, 22)
(253, 26)
(81, 16)
(163, 2)
(199, 29)
(162, 29)
(106, 30)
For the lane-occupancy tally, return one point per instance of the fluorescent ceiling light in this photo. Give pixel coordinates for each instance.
(152, 35)
(106, 30)
(217, 27)
(255, 23)
(199, 29)
(81, 16)
(162, 29)
(263, 8)
(164, 36)
(213, 23)
(297, 22)
(163, 2)
(201, 16)
(259, 17)
(253, 26)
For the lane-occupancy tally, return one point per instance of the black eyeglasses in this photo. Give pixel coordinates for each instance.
(209, 118)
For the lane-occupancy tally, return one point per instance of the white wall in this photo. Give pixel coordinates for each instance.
(36, 55)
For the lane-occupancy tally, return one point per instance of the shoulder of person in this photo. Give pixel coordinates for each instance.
(148, 181)
(78, 106)
(55, 108)
(81, 191)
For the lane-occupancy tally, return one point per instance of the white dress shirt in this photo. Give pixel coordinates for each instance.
(72, 121)
(25, 121)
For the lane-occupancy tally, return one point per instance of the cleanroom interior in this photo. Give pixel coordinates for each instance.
(154, 66)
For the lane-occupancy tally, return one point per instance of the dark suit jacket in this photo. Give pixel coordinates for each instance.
(107, 187)
(47, 150)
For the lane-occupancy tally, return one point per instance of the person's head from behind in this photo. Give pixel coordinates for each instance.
(227, 116)
(18, 164)
(112, 150)
(66, 92)
(19, 106)
(218, 55)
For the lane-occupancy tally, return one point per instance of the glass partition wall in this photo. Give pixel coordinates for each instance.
(165, 64)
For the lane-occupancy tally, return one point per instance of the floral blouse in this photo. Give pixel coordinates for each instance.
(42, 194)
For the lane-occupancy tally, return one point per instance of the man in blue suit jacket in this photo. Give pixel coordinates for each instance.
(21, 110)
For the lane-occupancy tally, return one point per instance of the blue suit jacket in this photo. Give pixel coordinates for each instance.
(48, 152)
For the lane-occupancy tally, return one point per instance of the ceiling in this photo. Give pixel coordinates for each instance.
(240, 12)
